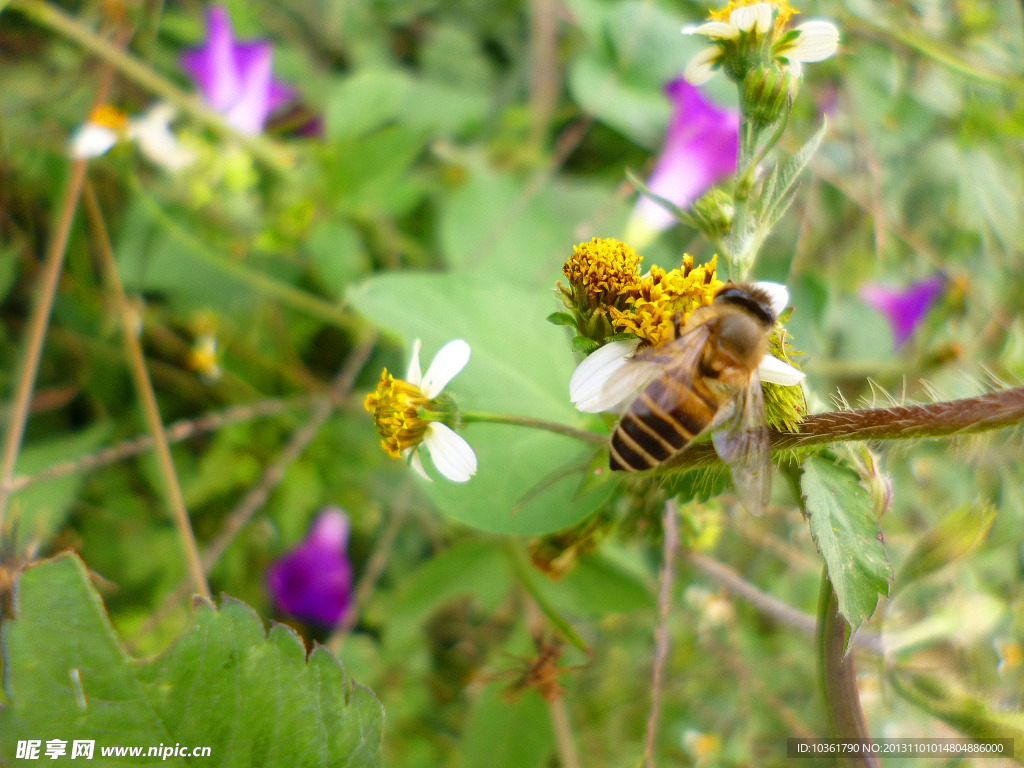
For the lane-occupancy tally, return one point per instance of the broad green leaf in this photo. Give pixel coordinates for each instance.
(42, 508)
(598, 585)
(365, 101)
(338, 255)
(520, 364)
(508, 734)
(495, 225)
(844, 528)
(254, 699)
(637, 110)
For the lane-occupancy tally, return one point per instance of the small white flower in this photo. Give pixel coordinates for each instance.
(812, 41)
(818, 40)
(608, 378)
(91, 140)
(152, 131)
(451, 454)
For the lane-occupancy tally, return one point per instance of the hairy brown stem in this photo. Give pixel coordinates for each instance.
(900, 422)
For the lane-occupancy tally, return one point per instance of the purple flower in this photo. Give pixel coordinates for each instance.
(700, 148)
(235, 78)
(904, 309)
(313, 582)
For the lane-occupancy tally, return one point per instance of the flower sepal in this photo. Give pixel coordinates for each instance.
(712, 214)
(768, 92)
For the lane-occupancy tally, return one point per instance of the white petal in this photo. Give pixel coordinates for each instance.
(593, 373)
(453, 456)
(448, 361)
(777, 372)
(702, 66)
(778, 293)
(417, 466)
(92, 140)
(756, 18)
(415, 374)
(716, 30)
(818, 40)
(796, 69)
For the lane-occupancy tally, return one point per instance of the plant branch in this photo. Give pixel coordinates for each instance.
(670, 526)
(900, 422)
(837, 677)
(42, 12)
(144, 386)
(768, 604)
(468, 417)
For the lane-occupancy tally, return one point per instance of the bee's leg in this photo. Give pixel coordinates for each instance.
(677, 324)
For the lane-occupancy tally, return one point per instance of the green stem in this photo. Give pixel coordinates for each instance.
(267, 151)
(521, 568)
(468, 417)
(837, 678)
(287, 294)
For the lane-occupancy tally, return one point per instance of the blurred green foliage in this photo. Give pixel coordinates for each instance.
(438, 203)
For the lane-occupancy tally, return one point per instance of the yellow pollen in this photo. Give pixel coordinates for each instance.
(605, 269)
(109, 117)
(203, 357)
(395, 406)
(660, 295)
(783, 11)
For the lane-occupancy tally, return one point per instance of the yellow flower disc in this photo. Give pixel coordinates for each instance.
(395, 406)
(605, 269)
(660, 295)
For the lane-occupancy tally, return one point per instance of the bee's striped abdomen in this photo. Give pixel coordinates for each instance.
(662, 420)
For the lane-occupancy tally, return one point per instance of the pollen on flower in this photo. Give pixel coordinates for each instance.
(109, 117)
(783, 10)
(605, 269)
(660, 295)
(395, 406)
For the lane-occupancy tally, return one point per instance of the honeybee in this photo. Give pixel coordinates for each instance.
(706, 380)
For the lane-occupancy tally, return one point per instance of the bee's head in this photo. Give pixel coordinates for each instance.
(751, 298)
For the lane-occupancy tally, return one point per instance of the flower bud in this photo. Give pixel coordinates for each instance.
(713, 214)
(767, 91)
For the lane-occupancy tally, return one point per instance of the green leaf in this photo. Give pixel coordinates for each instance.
(562, 318)
(845, 530)
(43, 507)
(583, 344)
(774, 200)
(598, 586)
(504, 734)
(254, 699)
(365, 101)
(520, 365)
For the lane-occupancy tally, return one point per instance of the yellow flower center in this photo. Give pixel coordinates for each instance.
(395, 406)
(783, 11)
(109, 117)
(604, 269)
(660, 295)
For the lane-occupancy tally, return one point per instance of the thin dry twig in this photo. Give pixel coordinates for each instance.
(176, 433)
(768, 604)
(144, 386)
(40, 317)
(670, 524)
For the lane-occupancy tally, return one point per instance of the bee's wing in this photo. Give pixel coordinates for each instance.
(677, 358)
(744, 445)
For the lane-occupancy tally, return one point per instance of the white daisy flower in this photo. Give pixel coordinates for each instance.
(151, 130)
(396, 404)
(608, 378)
(745, 27)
